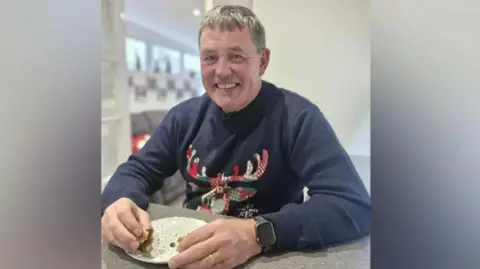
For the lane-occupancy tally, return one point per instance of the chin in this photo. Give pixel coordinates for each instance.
(226, 106)
(225, 102)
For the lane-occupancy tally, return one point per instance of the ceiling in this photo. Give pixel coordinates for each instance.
(172, 18)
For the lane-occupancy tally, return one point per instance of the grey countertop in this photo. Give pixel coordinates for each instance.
(350, 256)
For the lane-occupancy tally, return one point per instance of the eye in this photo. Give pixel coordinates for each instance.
(209, 58)
(236, 57)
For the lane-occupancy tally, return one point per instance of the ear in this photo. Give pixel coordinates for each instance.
(264, 60)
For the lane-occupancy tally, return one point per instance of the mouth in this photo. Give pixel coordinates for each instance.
(229, 86)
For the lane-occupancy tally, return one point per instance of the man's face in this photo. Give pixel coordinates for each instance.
(231, 67)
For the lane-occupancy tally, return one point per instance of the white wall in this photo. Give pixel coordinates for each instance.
(321, 49)
(361, 141)
(212, 3)
(115, 116)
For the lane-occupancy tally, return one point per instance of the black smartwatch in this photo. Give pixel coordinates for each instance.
(265, 234)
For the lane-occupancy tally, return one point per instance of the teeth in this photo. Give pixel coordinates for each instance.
(226, 86)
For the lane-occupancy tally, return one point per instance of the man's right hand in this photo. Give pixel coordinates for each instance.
(123, 223)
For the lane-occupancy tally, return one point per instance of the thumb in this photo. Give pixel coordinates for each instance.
(143, 218)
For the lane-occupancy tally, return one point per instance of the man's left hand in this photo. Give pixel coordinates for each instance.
(221, 244)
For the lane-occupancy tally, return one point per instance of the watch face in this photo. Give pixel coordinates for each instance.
(266, 235)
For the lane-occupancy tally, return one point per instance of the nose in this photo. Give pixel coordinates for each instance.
(222, 69)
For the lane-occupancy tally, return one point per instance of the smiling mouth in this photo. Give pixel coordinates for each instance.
(227, 86)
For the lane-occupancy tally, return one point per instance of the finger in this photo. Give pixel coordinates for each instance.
(129, 220)
(131, 247)
(209, 261)
(110, 238)
(124, 238)
(199, 235)
(226, 264)
(107, 236)
(144, 219)
(195, 253)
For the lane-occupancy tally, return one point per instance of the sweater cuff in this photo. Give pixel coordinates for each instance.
(287, 226)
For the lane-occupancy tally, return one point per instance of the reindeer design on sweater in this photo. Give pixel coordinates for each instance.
(218, 199)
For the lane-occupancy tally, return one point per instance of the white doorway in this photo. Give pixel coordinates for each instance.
(115, 120)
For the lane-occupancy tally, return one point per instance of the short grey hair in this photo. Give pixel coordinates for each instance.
(232, 17)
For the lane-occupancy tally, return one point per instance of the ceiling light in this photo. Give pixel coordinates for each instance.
(196, 12)
(122, 16)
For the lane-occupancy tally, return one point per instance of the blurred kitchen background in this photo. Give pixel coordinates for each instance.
(150, 62)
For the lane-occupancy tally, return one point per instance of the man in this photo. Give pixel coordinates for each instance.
(246, 149)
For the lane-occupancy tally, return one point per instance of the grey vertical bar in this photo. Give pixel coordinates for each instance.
(50, 134)
(425, 134)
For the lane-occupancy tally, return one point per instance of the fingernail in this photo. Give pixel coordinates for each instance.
(134, 246)
(138, 232)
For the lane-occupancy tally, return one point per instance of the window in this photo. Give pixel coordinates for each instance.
(135, 54)
(167, 60)
(191, 63)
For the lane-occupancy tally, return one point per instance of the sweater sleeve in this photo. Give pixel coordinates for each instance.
(339, 206)
(145, 171)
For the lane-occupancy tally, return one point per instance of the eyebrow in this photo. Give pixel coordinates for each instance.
(235, 49)
(238, 49)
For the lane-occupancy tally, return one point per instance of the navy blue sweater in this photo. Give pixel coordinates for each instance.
(254, 162)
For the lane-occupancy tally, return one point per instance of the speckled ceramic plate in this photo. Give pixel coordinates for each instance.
(165, 238)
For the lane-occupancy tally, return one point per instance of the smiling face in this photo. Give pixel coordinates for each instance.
(231, 67)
